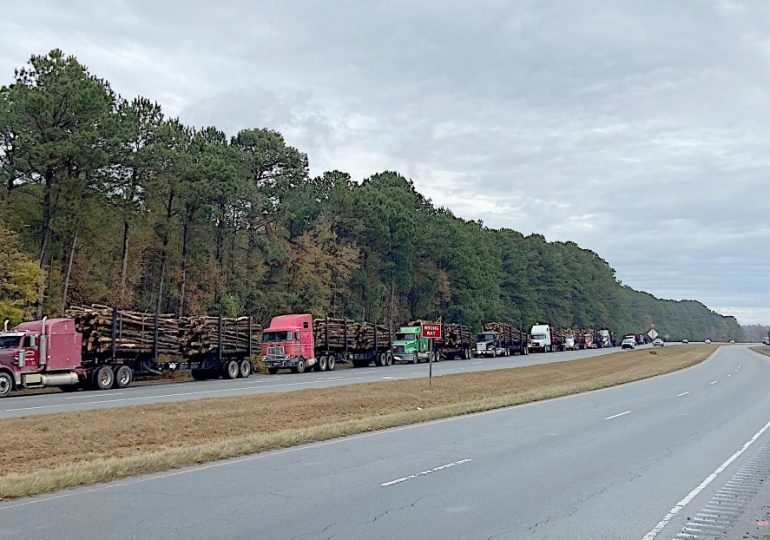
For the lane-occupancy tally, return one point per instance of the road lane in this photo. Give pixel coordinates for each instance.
(57, 401)
(553, 469)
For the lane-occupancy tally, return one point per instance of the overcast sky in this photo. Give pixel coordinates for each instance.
(640, 130)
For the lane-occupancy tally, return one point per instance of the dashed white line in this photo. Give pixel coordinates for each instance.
(424, 473)
(90, 397)
(618, 415)
(700, 487)
(713, 382)
(682, 394)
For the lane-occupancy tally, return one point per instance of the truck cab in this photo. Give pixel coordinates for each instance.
(540, 338)
(39, 353)
(488, 344)
(410, 347)
(288, 343)
(570, 343)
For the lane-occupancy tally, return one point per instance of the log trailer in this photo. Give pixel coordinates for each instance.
(51, 352)
(501, 339)
(299, 342)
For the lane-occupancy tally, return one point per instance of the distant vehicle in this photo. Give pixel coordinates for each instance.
(766, 341)
(707, 341)
(658, 343)
(606, 339)
(628, 343)
(685, 341)
(569, 343)
(541, 338)
(732, 341)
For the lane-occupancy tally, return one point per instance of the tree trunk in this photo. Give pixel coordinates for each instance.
(69, 266)
(45, 233)
(161, 278)
(183, 284)
(124, 261)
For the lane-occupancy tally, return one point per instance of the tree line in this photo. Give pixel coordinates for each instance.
(106, 199)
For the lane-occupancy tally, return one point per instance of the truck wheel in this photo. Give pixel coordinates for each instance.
(123, 376)
(245, 368)
(323, 363)
(230, 369)
(388, 359)
(200, 374)
(378, 359)
(331, 361)
(103, 378)
(272, 370)
(6, 384)
(301, 365)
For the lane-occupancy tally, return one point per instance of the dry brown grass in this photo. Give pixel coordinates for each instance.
(764, 349)
(68, 449)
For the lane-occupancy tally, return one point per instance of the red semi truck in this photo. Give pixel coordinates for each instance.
(299, 342)
(50, 352)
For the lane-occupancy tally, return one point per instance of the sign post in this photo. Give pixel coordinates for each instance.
(431, 331)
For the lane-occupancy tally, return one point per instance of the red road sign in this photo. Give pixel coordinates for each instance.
(431, 330)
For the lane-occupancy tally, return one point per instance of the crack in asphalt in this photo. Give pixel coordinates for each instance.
(400, 508)
(322, 531)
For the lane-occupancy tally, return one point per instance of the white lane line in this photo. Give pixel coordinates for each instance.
(474, 363)
(729, 374)
(617, 415)
(90, 397)
(423, 473)
(713, 382)
(682, 394)
(700, 487)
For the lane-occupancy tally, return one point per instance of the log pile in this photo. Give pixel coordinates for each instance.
(454, 336)
(506, 330)
(135, 331)
(200, 335)
(360, 335)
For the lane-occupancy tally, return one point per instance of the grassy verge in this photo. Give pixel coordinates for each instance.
(764, 349)
(70, 449)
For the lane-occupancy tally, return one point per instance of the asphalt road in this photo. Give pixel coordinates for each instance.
(284, 381)
(674, 456)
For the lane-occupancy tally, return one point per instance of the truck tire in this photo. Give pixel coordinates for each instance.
(200, 374)
(331, 361)
(388, 359)
(379, 359)
(103, 378)
(301, 365)
(123, 376)
(245, 368)
(6, 383)
(272, 370)
(322, 364)
(230, 369)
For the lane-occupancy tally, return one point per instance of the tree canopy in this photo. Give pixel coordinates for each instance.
(105, 199)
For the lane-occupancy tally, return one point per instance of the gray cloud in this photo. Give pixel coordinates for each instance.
(637, 129)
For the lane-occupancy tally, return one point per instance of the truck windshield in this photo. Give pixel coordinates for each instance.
(538, 336)
(405, 337)
(485, 337)
(268, 337)
(9, 342)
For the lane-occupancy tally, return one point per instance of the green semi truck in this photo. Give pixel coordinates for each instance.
(410, 347)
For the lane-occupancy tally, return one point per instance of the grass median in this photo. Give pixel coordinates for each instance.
(762, 349)
(49, 452)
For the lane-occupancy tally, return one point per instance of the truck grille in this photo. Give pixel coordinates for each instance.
(398, 349)
(275, 351)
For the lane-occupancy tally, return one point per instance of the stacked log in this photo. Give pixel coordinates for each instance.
(454, 336)
(331, 334)
(199, 335)
(135, 332)
(506, 330)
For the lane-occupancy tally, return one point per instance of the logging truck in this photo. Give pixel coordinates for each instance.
(51, 352)
(501, 339)
(299, 342)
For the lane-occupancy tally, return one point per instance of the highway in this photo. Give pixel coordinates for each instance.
(284, 381)
(684, 455)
